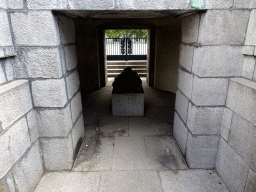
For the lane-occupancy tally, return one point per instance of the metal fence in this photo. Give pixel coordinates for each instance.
(123, 48)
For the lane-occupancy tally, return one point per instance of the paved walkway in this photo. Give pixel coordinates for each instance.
(133, 154)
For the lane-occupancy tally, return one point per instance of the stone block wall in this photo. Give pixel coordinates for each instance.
(210, 54)
(41, 122)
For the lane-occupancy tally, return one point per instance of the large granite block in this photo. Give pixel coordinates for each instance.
(226, 123)
(190, 29)
(128, 104)
(73, 83)
(186, 56)
(67, 30)
(181, 105)
(185, 82)
(51, 4)
(70, 57)
(32, 126)
(5, 33)
(76, 106)
(251, 182)
(249, 66)
(250, 35)
(15, 101)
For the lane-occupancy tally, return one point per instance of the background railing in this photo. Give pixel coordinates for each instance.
(134, 48)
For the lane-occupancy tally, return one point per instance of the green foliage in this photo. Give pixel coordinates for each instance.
(136, 33)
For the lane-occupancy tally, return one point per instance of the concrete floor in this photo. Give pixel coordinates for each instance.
(130, 153)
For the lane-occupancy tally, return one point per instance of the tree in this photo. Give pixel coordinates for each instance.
(132, 33)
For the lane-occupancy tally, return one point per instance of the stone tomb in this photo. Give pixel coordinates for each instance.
(127, 94)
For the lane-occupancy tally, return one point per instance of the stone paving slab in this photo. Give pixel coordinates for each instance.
(192, 181)
(69, 182)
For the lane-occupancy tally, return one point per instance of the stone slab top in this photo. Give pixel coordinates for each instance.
(245, 82)
(11, 85)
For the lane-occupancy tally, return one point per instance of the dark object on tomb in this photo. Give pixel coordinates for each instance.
(127, 82)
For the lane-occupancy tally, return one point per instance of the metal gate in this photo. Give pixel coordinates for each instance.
(126, 48)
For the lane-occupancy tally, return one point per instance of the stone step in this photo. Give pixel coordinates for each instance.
(142, 62)
(134, 67)
(115, 74)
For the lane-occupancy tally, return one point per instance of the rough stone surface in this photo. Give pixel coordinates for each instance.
(186, 56)
(14, 4)
(209, 91)
(15, 101)
(29, 170)
(2, 75)
(242, 139)
(181, 105)
(57, 153)
(251, 182)
(250, 36)
(32, 126)
(76, 106)
(217, 4)
(92, 5)
(67, 30)
(7, 183)
(190, 27)
(204, 120)
(9, 70)
(244, 4)
(1, 52)
(248, 50)
(38, 62)
(34, 28)
(223, 27)
(69, 181)
(128, 104)
(226, 123)
(46, 4)
(249, 66)
(231, 167)
(185, 83)
(202, 151)
(218, 61)
(13, 144)
(73, 83)
(180, 133)
(241, 98)
(49, 93)
(54, 122)
(70, 56)
(78, 131)
(192, 181)
(5, 34)
(253, 4)
(3, 4)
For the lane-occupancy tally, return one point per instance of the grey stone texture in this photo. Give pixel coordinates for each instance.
(241, 98)
(2, 75)
(38, 63)
(253, 4)
(185, 82)
(34, 28)
(204, 120)
(217, 4)
(226, 123)
(9, 69)
(14, 4)
(67, 30)
(248, 50)
(223, 27)
(5, 33)
(128, 104)
(76, 106)
(78, 131)
(244, 4)
(54, 122)
(181, 105)
(47, 4)
(29, 170)
(231, 167)
(242, 140)
(70, 57)
(73, 83)
(32, 126)
(202, 151)
(3, 4)
(92, 5)
(250, 35)
(180, 133)
(218, 61)
(249, 67)
(7, 183)
(190, 29)
(57, 153)
(251, 182)
(186, 56)
(13, 144)
(7, 52)
(15, 101)
(49, 93)
(209, 91)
